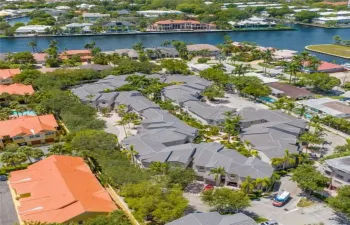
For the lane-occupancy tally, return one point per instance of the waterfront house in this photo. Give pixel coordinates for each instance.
(339, 171)
(32, 29)
(214, 218)
(253, 22)
(203, 49)
(123, 12)
(85, 55)
(326, 67)
(170, 25)
(118, 26)
(77, 28)
(157, 13)
(59, 189)
(40, 58)
(290, 91)
(327, 106)
(161, 52)
(129, 52)
(284, 54)
(17, 89)
(28, 130)
(92, 17)
(6, 75)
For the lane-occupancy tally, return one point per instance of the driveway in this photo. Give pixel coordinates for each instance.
(237, 102)
(8, 214)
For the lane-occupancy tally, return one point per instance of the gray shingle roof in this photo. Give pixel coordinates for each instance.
(207, 112)
(214, 218)
(135, 100)
(272, 131)
(342, 163)
(180, 94)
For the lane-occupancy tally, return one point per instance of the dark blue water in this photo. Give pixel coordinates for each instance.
(295, 40)
(24, 20)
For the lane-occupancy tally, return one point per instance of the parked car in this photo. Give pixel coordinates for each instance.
(3, 178)
(208, 187)
(270, 222)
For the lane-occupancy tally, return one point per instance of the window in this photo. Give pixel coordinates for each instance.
(49, 133)
(233, 176)
(17, 138)
(37, 135)
(339, 176)
(31, 136)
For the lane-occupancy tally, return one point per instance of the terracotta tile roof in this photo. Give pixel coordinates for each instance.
(329, 66)
(40, 57)
(17, 89)
(177, 22)
(335, 3)
(290, 90)
(7, 73)
(77, 52)
(61, 188)
(27, 125)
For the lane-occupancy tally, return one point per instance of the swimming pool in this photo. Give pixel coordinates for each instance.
(308, 116)
(25, 113)
(267, 99)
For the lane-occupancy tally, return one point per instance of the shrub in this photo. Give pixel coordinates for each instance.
(203, 60)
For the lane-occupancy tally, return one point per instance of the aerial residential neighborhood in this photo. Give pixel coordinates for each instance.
(174, 112)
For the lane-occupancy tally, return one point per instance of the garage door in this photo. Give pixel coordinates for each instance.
(49, 140)
(36, 142)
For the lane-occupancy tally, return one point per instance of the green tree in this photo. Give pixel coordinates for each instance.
(263, 182)
(341, 202)
(31, 152)
(159, 167)
(218, 173)
(180, 176)
(94, 140)
(248, 185)
(231, 125)
(337, 39)
(59, 149)
(174, 66)
(309, 179)
(305, 16)
(287, 160)
(226, 199)
(311, 138)
(114, 218)
(322, 82)
(213, 92)
(130, 154)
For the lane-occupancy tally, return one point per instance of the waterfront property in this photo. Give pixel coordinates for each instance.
(118, 26)
(271, 132)
(28, 130)
(290, 91)
(17, 89)
(214, 218)
(80, 28)
(85, 55)
(339, 20)
(40, 58)
(6, 75)
(327, 106)
(284, 54)
(339, 171)
(203, 49)
(59, 189)
(253, 22)
(168, 25)
(32, 29)
(326, 67)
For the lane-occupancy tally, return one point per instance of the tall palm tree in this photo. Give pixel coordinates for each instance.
(262, 183)
(218, 173)
(159, 167)
(293, 68)
(231, 124)
(33, 45)
(267, 56)
(287, 159)
(130, 153)
(302, 111)
(27, 151)
(123, 122)
(248, 185)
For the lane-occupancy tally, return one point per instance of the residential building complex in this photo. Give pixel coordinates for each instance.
(6, 75)
(85, 55)
(339, 171)
(204, 49)
(28, 130)
(214, 218)
(157, 13)
(59, 189)
(32, 29)
(166, 25)
(290, 91)
(91, 17)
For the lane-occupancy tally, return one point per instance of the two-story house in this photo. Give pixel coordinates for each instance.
(338, 170)
(6, 75)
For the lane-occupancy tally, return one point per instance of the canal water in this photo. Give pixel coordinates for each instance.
(294, 40)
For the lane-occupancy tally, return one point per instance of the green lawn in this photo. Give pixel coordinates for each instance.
(339, 50)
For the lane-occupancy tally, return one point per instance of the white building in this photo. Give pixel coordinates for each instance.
(63, 7)
(32, 29)
(157, 13)
(253, 22)
(337, 19)
(327, 106)
(85, 6)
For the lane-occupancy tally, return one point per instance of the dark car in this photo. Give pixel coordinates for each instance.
(3, 178)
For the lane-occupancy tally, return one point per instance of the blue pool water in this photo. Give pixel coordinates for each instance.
(308, 116)
(25, 113)
(268, 99)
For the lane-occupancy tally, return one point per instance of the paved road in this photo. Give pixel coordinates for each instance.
(8, 215)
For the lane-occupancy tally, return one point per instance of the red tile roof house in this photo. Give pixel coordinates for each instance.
(165, 25)
(59, 189)
(40, 58)
(6, 75)
(85, 55)
(28, 130)
(327, 67)
(17, 89)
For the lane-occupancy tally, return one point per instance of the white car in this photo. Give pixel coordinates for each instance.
(270, 222)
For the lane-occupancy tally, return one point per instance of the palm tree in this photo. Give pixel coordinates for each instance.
(159, 167)
(248, 185)
(290, 106)
(302, 111)
(231, 124)
(27, 151)
(121, 110)
(262, 183)
(33, 45)
(130, 154)
(124, 121)
(287, 159)
(293, 68)
(218, 173)
(90, 45)
(267, 56)
(59, 149)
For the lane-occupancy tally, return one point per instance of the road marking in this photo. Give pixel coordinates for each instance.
(293, 210)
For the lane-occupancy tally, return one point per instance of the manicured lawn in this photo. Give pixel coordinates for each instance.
(339, 50)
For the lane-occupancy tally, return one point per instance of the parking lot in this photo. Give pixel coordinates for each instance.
(8, 215)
